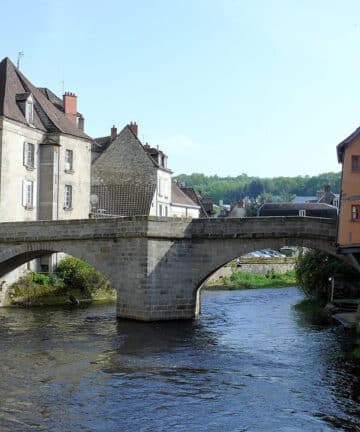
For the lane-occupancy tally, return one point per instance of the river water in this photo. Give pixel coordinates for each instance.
(250, 363)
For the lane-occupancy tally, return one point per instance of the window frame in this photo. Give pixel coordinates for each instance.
(355, 211)
(29, 155)
(355, 167)
(28, 194)
(69, 161)
(29, 110)
(68, 197)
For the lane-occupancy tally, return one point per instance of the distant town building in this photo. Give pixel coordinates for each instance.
(298, 209)
(206, 204)
(181, 204)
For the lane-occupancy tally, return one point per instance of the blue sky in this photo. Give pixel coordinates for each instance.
(263, 87)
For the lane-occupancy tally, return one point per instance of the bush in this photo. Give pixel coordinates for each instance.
(71, 275)
(313, 270)
(77, 274)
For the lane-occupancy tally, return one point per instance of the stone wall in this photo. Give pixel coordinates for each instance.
(254, 266)
(124, 177)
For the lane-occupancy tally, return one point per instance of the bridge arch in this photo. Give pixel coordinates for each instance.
(227, 252)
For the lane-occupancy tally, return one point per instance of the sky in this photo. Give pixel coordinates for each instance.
(262, 87)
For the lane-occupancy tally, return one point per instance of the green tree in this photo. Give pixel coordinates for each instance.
(313, 270)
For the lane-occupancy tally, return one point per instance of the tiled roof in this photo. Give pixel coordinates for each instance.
(295, 206)
(340, 148)
(194, 196)
(179, 197)
(124, 199)
(47, 116)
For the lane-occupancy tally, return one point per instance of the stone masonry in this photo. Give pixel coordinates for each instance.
(158, 265)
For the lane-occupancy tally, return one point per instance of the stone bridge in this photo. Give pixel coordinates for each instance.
(158, 265)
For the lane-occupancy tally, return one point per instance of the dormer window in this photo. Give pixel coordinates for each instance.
(29, 110)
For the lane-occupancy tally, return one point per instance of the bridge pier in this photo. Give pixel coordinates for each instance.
(159, 286)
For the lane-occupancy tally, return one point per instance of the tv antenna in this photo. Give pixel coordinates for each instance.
(20, 54)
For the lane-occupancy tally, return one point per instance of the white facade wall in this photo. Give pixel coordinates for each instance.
(78, 178)
(182, 211)
(13, 172)
(160, 205)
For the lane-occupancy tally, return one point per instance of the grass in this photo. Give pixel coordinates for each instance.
(241, 280)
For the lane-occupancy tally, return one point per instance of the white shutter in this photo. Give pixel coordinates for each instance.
(24, 153)
(24, 192)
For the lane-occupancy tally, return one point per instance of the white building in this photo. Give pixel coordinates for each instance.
(45, 155)
(182, 205)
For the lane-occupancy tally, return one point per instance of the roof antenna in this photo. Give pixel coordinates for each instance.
(62, 82)
(20, 54)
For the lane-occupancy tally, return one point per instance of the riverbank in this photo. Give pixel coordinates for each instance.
(74, 282)
(241, 280)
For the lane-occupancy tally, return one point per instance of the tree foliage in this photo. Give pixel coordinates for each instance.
(313, 270)
(230, 189)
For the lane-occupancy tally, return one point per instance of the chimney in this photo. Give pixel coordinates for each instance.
(113, 133)
(134, 127)
(70, 106)
(327, 187)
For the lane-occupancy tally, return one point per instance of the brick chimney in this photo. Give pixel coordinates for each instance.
(70, 106)
(327, 187)
(113, 133)
(134, 127)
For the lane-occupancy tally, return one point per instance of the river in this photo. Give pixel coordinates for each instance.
(249, 363)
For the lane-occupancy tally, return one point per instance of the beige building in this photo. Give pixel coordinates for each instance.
(45, 155)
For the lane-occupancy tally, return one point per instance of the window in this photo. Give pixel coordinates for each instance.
(355, 163)
(29, 155)
(166, 211)
(302, 212)
(336, 202)
(68, 160)
(166, 188)
(29, 111)
(68, 197)
(160, 186)
(160, 210)
(28, 194)
(355, 212)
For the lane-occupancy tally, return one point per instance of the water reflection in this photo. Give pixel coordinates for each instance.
(250, 363)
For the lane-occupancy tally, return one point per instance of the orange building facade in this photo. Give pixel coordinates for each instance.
(348, 235)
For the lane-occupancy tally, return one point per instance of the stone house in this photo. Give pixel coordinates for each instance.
(129, 178)
(45, 154)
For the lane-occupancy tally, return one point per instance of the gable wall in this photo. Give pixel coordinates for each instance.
(124, 177)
